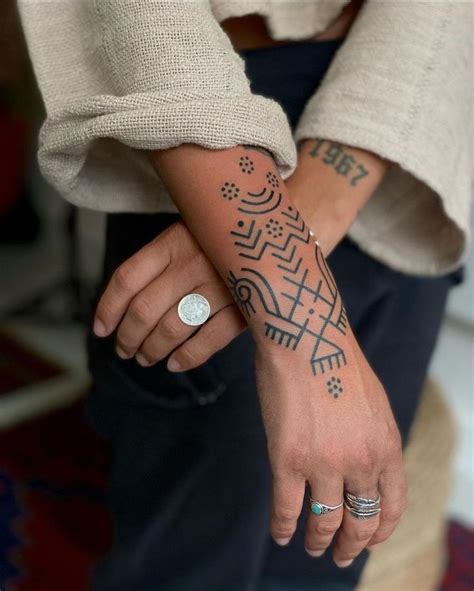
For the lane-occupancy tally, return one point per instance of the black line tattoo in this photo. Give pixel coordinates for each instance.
(334, 155)
(304, 308)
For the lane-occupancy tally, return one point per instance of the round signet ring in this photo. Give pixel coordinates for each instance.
(194, 309)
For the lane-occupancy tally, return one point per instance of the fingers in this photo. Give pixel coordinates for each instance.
(147, 308)
(170, 332)
(393, 501)
(354, 533)
(128, 280)
(288, 495)
(214, 335)
(320, 529)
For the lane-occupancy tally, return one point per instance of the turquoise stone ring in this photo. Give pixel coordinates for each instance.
(320, 508)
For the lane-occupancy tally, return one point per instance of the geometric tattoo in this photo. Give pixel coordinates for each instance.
(304, 309)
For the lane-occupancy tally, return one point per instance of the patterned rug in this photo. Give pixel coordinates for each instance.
(53, 524)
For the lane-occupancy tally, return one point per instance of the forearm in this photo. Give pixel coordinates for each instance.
(241, 213)
(331, 184)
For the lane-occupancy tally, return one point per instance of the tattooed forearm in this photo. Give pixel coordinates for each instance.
(334, 155)
(283, 275)
(242, 216)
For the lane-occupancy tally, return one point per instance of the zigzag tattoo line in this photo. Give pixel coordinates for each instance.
(293, 270)
(268, 244)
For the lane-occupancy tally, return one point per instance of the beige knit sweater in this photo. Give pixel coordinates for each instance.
(122, 76)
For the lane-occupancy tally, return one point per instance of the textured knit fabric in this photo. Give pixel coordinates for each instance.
(122, 76)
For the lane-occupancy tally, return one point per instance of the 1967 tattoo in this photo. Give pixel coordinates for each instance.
(334, 155)
(307, 306)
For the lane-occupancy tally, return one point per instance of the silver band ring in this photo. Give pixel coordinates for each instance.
(361, 500)
(194, 309)
(361, 507)
(362, 514)
(320, 508)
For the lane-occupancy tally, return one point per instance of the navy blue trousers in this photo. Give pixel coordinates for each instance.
(189, 483)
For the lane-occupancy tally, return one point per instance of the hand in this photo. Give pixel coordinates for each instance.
(141, 300)
(350, 442)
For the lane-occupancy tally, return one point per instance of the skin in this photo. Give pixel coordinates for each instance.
(350, 442)
(328, 200)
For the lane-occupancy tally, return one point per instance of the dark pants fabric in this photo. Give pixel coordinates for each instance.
(189, 484)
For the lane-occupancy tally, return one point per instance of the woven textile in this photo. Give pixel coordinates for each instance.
(120, 77)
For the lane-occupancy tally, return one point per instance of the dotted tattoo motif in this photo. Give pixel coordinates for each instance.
(273, 180)
(274, 228)
(334, 387)
(230, 191)
(246, 165)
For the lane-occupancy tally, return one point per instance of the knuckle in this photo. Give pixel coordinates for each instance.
(199, 259)
(125, 343)
(295, 459)
(170, 328)
(123, 278)
(141, 311)
(379, 538)
(393, 514)
(326, 529)
(282, 532)
(362, 534)
(189, 357)
(172, 235)
(285, 516)
(104, 310)
(148, 352)
(366, 462)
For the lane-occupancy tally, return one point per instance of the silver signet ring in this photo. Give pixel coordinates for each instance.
(194, 309)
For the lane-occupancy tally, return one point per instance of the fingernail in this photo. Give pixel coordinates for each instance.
(99, 328)
(282, 541)
(141, 360)
(315, 553)
(343, 563)
(174, 365)
(121, 353)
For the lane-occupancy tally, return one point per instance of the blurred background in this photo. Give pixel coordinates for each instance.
(53, 524)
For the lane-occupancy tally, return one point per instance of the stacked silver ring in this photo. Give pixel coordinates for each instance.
(360, 507)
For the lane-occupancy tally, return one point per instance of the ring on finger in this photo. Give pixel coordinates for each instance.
(362, 514)
(194, 309)
(361, 507)
(320, 508)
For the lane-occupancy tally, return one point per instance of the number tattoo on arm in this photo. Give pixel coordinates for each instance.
(334, 155)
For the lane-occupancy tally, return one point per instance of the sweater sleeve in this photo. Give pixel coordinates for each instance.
(401, 86)
(122, 76)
